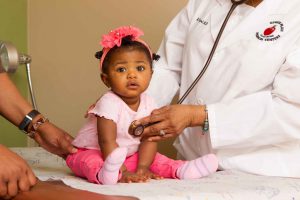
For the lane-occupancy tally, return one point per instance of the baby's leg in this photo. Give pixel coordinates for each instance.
(198, 168)
(193, 169)
(109, 173)
(86, 163)
(164, 166)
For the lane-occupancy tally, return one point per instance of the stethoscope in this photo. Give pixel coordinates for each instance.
(137, 130)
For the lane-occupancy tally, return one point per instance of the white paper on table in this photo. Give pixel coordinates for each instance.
(223, 185)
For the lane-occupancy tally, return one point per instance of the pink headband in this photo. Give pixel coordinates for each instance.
(114, 38)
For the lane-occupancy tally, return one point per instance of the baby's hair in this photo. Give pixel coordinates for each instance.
(98, 54)
(127, 43)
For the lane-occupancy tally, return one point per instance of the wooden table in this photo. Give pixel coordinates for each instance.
(57, 190)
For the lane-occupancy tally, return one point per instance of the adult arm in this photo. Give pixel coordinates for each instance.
(270, 115)
(14, 107)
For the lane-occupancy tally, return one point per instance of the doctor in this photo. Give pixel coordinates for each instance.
(250, 93)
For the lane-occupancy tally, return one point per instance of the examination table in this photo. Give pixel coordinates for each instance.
(223, 185)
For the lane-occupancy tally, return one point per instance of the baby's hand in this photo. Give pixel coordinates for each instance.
(130, 177)
(143, 171)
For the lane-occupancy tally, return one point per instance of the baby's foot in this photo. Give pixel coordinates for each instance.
(109, 173)
(198, 168)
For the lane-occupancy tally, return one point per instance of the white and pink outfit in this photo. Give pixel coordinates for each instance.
(88, 161)
(110, 106)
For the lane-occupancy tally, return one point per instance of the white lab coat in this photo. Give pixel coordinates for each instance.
(251, 88)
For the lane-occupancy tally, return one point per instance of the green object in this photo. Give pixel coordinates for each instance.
(13, 28)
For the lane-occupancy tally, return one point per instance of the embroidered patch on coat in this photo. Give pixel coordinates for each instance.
(272, 32)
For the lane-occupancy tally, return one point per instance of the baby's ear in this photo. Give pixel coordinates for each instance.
(104, 78)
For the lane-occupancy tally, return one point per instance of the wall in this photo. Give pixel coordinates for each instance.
(63, 37)
(13, 22)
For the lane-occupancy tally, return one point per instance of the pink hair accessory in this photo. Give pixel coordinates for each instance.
(114, 38)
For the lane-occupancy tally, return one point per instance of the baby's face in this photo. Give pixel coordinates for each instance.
(129, 73)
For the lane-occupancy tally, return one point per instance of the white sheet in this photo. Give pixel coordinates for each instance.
(224, 185)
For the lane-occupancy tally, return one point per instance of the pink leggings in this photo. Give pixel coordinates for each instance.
(87, 163)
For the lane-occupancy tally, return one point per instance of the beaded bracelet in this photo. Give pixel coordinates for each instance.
(36, 125)
(205, 127)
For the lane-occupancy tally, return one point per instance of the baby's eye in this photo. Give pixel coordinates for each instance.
(140, 68)
(121, 69)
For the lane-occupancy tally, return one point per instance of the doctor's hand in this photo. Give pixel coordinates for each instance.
(15, 174)
(54, 140)
(171, 120)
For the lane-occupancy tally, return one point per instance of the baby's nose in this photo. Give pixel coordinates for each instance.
(131, 74)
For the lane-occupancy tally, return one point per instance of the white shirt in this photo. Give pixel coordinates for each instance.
(251, 88)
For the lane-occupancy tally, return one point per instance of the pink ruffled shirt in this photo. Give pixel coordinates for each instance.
(112, 107)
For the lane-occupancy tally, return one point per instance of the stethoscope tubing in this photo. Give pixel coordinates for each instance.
(235, 3)
(238, 2)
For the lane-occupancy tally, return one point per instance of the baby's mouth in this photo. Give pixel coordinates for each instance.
(132, 85)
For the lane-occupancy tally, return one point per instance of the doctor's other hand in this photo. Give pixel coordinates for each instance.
(171, 120)
(15, 174)
(54, 140)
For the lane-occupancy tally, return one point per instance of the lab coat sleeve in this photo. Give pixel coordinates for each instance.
(264, 118)
(167, 70)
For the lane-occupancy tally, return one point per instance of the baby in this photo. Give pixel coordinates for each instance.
(107, 152)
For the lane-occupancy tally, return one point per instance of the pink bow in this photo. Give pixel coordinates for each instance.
(115, 36)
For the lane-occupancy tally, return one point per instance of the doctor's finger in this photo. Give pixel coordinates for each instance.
(161, 110)
(151, 119)
(154, 129)
(142, 121)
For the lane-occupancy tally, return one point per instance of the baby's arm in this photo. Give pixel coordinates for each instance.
(147, 152)
(112, 155)
(107, 135)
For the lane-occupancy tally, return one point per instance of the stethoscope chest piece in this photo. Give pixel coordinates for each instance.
(136, 130)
